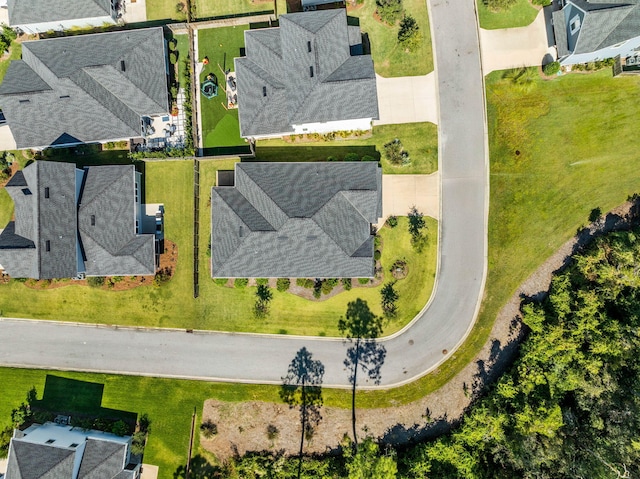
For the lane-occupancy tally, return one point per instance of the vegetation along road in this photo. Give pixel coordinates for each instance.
(425, 343)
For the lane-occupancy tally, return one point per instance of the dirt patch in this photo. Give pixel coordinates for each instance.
(242, 427)
(168, 261)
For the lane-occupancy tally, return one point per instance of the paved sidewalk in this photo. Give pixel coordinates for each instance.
(407, 99)
(515, 47)
(401, 192)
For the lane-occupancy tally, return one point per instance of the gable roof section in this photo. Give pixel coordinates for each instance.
(303, 72)
(37, 461)
(98, 86)
(24, 12)
(101, 459)
(111, 245)
(312, 220)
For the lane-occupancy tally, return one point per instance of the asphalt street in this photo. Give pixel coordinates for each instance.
(419, 348)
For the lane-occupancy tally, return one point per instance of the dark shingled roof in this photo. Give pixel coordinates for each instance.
(98, 86)
(275, 86)
(24, 12)
(101, 459)
(38, 461)
(296, 220)
(604, 23)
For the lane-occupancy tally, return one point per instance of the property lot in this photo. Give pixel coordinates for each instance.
(222, 8)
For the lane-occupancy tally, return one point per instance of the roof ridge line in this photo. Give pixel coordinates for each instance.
(103, 459)
(102, 190)
(265, 45)
(313, 218)
(265, 193)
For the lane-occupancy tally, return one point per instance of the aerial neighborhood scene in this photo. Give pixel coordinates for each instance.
(319, 239)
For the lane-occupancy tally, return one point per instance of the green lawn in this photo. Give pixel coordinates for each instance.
(220, 127)
(183, 53)
(15, 52)
(419, 139)
(520, 14)
(165, 10)
(218, 307)
(390, 60)
(222, 8)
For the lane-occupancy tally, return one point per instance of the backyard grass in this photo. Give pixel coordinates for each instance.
(420, 140)
(389, 59)
(520, 14)
(165, 10)
(218, 307)
(183, 53)
(15, 52)
(220, 127)
(224, 8)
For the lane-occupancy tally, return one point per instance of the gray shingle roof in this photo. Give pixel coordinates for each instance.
(97, 85)
(319, 216)
(101, 459)
(276, 88)
(111, 245)
(42, 242)
(23, 12)
(604, 24)
(38, 461)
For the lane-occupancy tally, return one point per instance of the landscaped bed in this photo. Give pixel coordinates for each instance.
(220, 127)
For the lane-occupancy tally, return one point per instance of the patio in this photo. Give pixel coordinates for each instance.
(167, 131)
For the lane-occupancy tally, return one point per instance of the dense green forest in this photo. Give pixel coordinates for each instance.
(568, 407)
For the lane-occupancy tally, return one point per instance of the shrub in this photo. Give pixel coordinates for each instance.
(221, 281)
(327, 285)
(368, 158)
(392, 221)
(409, 35)
(272, 432)
(173, 58)
(282, 284)
(377, 255)
(120, 428)
(162, 276)
(389, 10)
(137, 443)
(179, 7)
(332, 158)
(351, 157)
(305, 282)
(208, 429)
(173, 44)
(346, 283)
(262, 281)
(363, 280)
(95, 281)
(551, 68)
(395, 153)
(241, 282)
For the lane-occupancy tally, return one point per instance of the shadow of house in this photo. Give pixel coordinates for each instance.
(314, 152)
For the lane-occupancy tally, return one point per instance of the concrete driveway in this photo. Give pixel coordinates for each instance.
(401, 192)
(407, 99)
(516, 47)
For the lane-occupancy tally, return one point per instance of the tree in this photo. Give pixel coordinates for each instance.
(389, 10)
(409, 35)
(389, 297)
(416, 227)
(302, 387)
(361, 328)
(367, 462)
(263, 297)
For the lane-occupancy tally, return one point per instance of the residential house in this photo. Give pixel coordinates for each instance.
(306, 76)
(87, 88)
(38, 16)
(296, 220)
(55, 451)
(72, 222)
(586, 31)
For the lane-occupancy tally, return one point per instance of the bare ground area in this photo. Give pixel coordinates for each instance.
(242, 427)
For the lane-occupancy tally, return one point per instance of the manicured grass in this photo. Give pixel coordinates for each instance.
(221, 8)
(15, 52)
(390, 60)
(220, 126)
(183, 53)
(218, 307)
(419, 139)
(165, 10)
(520, 14)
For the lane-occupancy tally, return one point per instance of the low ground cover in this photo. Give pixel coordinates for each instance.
(220, 127)
(520, 14)
(420, 140)
(166, 10)
(224, 8)
(389, 58)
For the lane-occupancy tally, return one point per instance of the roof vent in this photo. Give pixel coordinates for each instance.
(241, 232)
(311, 72)
(93, 220)
(24, 101)
(122, 68)
(65, 96)
(46, 192)
(309, 47)
(264, 91)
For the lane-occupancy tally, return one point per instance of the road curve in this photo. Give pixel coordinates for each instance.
(437, 331)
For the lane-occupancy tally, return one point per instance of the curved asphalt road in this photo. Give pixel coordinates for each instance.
(442, 325)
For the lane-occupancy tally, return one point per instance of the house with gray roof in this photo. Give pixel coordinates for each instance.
(86, 88)
(56, 451)
(306, 76)
(310, 220)
(39, 16)
(590, 30)
(72, 222)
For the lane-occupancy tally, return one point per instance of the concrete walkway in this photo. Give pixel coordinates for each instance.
(407, 99)
(135, 11)
(401, 192)
(516, 47)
